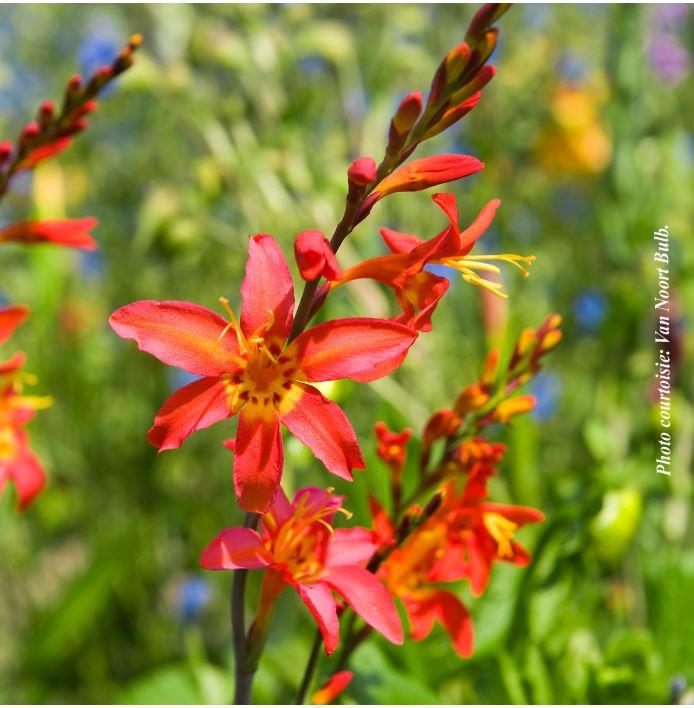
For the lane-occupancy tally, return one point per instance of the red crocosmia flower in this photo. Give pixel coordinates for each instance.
(332, 688)
(298, 547)
(478, 534)
(315, 257)
(392, 447)
(419, 291)
(17, 463)
(247, 368)
(11, 317)
(407, 574)
(73, 233)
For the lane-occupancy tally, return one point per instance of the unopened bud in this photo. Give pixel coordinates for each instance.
(30, 132)
(484, 18)
(46, 113)
(403, 121)
(362, 172)
(6, 149)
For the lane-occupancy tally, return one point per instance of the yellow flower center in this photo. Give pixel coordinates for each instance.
(501, 530)
(265, 375)
(299, 542)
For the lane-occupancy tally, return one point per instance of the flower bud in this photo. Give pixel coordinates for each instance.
(403, 121)
(315, 257)
(513, 406)
(362, 172)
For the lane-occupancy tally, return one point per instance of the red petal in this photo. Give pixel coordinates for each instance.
(180, 334)
(235, 548)
(398, 242)
(68, 232)
(10, 318)
(196, 406)
(332, 688)
(445, 607)
(478, 226)
(351, 547)
(322, 426)
(455, 618)
(368, 598)
(362, 349)
(258, 460)
(479, 566)
(428, 172)
(267, 288)
(16, 361)
(321, 604)
(25, 471)
(519, 515)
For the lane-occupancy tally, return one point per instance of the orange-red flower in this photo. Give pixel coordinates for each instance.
(392, 447)
(403, 270)
(408, 575)
(479, 533)
(298, 547)
(73, 233)
(247, 368)
(17, 463)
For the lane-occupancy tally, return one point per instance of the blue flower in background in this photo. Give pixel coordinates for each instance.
(572, 67)
(193, 595)
(546, 389)
(97, 50)
(590, 309)
(179, 378)
(313, 65)
(91, 264)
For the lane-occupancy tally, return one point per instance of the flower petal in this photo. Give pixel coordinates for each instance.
(235, 548)
(332, 688)
(428, 172)
(398, 242)
(25, 471)
(322, 605)
(353, 546)
(180, 334)
(322, 426)
(73, 233)
(10, 318)
(198, 405)
(362, 349)
(368, 598)
(267, 290)
(258, 460)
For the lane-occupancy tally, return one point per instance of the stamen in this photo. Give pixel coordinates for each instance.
(233, 324)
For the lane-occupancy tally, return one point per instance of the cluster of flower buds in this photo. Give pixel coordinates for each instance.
(39, 140)
(53, 130)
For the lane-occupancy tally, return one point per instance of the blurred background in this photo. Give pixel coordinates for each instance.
(241, 119)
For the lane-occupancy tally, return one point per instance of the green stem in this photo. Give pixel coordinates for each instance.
(310, 670)
(244, 676)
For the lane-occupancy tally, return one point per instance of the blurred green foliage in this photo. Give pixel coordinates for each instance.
(241, 119)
